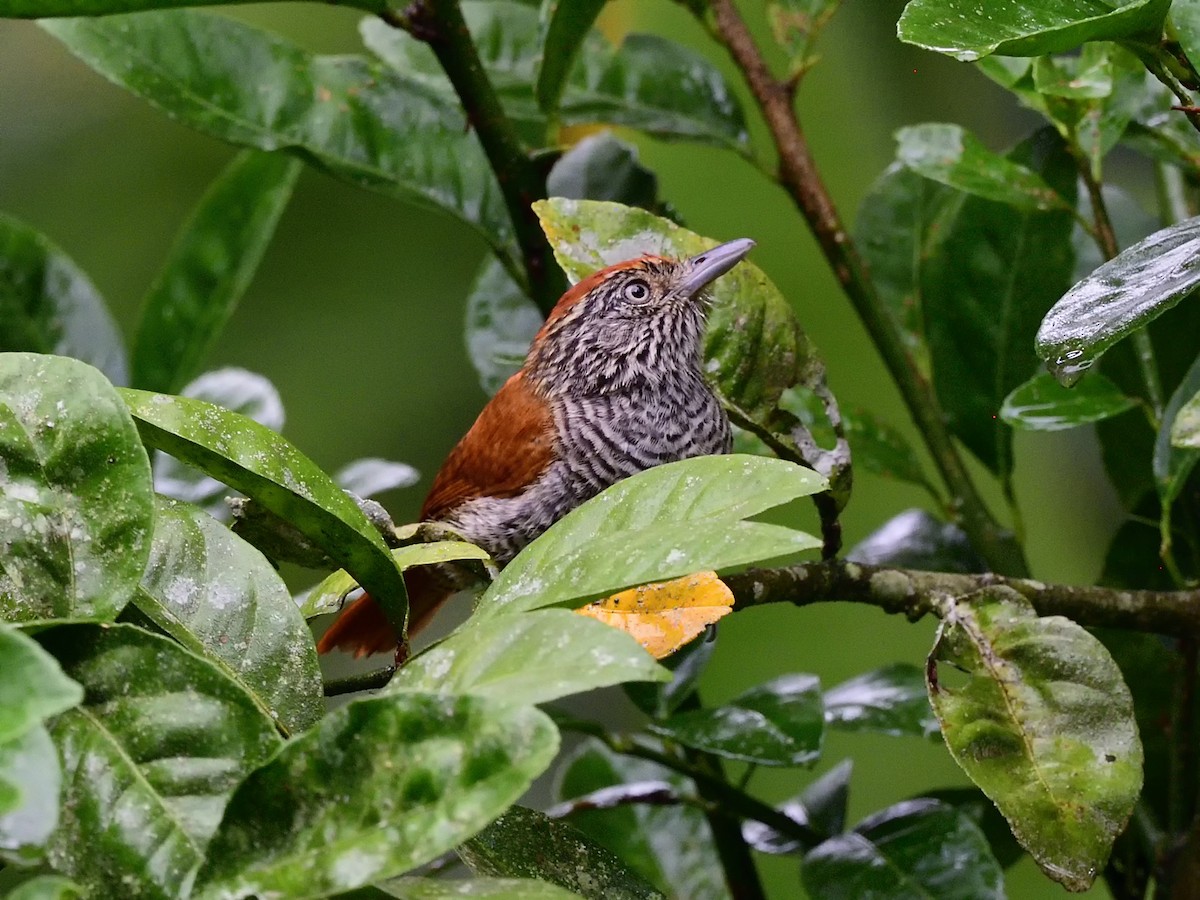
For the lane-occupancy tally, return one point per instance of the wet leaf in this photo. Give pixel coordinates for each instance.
(917, 848)
(663, 523)
(564, 25)
(881, 449)
(890, 700)
(532, 658)
(669, 846)
(665, 615)
(686, 665)
(357, 119)
(914, 539)
(215, 255)
(34, 687)
(1042, 721)
(991, 276)
(780, 723)
(30, 783)
(956, 28)
(77, 508)
(49, 305)
(250, 457)
(221, 599)
(46, 887)
(796, 24)
(603, 167)
(1118, 298)
(971, 802)
(523, 843)
(822, 805)
(1185, 430)
(411, 888)
(1042, 404)
(379, 787)
(501, 323)
(951, 155)
(370, 476)
(152, 755)
(1172, 464)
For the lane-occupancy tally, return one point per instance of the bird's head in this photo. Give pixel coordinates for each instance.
(633, 322)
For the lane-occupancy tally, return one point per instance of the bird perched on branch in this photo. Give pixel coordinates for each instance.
(612, 385)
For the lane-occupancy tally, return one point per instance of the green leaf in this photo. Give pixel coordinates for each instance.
(30, 783)
(890, 700)
(34, 687)
(76, 508)
(1185, 430)
(822, 805)
(603, 167)
(881, 449)
(523, 843)
(663, 523)
(917, 848)
(45, 887)
(990, 277)
(564, 25)
(379, 787)
(779, 723)
(971, 802)
(1042, 721)
(48, 304)
(370, 475)
(501, 323)
(447, 889)
(686, 665)
(1015, 28)
(540, 656)
(669, 846)
(1042, 404)
(951, 155)
(795, 24)
(1171, 464)
(356, 119)
(255, 460)
(209, 268)
(152, 755)
(914, 539)
(221, 599)
(1118, 298)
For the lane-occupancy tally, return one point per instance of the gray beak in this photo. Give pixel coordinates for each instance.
(712, 264)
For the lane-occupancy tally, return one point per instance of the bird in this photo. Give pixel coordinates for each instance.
(612, 385)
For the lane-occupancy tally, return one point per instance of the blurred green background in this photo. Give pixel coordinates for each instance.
(356, 313)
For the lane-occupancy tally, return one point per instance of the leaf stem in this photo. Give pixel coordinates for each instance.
(799, 176)
(364, 681)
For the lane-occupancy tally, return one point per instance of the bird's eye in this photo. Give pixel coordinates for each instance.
(637, 291)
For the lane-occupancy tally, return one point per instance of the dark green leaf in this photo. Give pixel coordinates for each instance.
(1042, 404)
(914, 539)
(220, 598)
(891, 700)
(378, 787)
(448, 889)
(822, 806)
(30, 783)
(153, 754)
(45, 887)
(34, 687)
(209, 268)
(663, 523)
(796, 24)
(686, 665)
(916, 849)
(669, 846)
(1042, 721)
(1173, 463)
(971, 802)
(252, 458)
(539, 656)
(370, 476)
(357, 119)
(1120, 297)
(603, 167)
(77, 508)
(48, 304)
(1087, 76)
(991, 277)
(779, 723)
(501, 323)
(1013, 28)
(564, 25)
(523, 843)
(882, 449)
(953, 156)
(1185, 430)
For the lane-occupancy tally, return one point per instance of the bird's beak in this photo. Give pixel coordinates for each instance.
(710, 265)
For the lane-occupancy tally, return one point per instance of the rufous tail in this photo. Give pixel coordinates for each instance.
(363, 629)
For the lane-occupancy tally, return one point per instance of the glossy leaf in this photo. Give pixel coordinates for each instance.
(370, 476)
(603, 167)
(780, 723)
(379, 787)
(1042, 404)
(34, 687)
(49, 305)
(252, 458)
(951, 155)
(663, 523)
(914, 539)
(209, 268)
(1042, 721)
(564, 25)
(433, 888)
(1185, 430)
(795, 25)
(686, 666)
(539, 656)
(30, 784)
(990, 277)
(1118, 298)
(523, 843)
(890, 700)
(354, 118)
(76, 510)
(1011, 28)
(881, 449)
(45, 887)
(917, 848)
(1171, 464)
(971, 802)
(665, 615)
(221, 599)
(669, 846)
(500, 324)
(822, 806)
(161, 741)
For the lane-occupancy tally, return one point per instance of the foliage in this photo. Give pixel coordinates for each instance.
(163, 724)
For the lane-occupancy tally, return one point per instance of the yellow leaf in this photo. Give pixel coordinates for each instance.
(664, 616)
